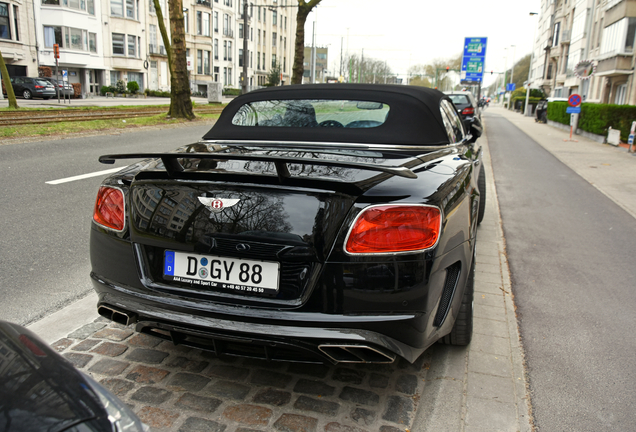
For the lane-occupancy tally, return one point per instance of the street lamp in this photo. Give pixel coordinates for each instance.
(525, 109)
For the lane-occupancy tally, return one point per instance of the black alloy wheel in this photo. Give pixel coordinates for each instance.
(462, 331)
(481, 184)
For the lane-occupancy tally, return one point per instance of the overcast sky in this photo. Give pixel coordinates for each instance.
(410, 32)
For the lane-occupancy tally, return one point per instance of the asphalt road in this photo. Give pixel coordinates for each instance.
(44, 260)
(572, 258)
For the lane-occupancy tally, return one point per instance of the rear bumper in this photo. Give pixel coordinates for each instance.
(183, 323)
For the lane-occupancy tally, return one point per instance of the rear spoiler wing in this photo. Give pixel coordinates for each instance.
(173, 166)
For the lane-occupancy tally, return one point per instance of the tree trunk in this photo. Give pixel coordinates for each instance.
(304, 8)
(180, 102)
(13, 103)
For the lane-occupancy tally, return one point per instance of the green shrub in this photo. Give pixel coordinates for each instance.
(132, 86)
(157, 93)
(120, 87)
(228, 91)
(107, 89)
(556, 112)
(597, 118)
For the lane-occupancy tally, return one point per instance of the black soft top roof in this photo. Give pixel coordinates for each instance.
(414, 115)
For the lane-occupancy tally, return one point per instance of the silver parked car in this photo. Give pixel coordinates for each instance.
(66, 89)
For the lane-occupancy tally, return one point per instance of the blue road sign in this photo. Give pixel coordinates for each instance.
(474, 59)
(630, 139)
(573, 110)
(511, 87)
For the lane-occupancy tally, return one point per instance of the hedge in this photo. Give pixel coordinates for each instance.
(596, 118)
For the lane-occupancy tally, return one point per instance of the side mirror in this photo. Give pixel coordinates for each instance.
(474, 128)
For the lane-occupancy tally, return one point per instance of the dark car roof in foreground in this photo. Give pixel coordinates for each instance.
(414, 115)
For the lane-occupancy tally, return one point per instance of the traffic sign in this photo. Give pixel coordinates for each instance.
(573, 110)
(64, 75)
(630, 139)
(511, 87)
(473, 59)
(574, 100)
(475, 47)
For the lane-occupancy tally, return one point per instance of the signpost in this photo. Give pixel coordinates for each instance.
(574, 110)
(473, 61)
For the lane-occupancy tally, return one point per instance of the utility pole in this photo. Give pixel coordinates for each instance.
(245, 56)
(534, 37)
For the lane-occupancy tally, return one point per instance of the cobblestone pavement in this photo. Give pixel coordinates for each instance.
(481, 387)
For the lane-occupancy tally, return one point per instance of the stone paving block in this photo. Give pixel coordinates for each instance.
(488, 268)
(490, 327)
(491, 387)
(487, 259)
(170, 347)
(144, 340)
(146, 375)
(488, 287)
(113, 334)
(109, 367)
(86, 345)
(194, 402)
(350, 376)
(378, 381)
(244, 429)
(151, 395)
(337, 427)
(194, 424)
(186, 381)
(270, 378)
(87, 330)
(228, 372)
(491, 364)
(496, 313)
(314, 370)
(487, 277)
(295, 423)
(399, 410)
(118, 387)
(186, 364)
(407, 384)
(228, 389)
(272, 397)
(490, 415)
(62, 344)
(494, 300)
(157, 417)
(110, 349)
(144, 355)
(78, 360)
(312, 387)
(363, 416)
(249, 414)
(305, 403)
(359, 396)
(491, 344)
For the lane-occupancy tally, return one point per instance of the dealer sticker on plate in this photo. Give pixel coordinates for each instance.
(221, 272)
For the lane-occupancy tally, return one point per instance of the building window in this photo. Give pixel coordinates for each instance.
(619, 37)
(152, 39)
(259, 37)
(229, 50)
(240, 35)
(216, 22)
(206, 24)
(206, 62)
(274, 39)
(216, 74)
(118, 44)
(224, 50)
(199, 22)
(274, 18)
(132, 45)
(258, 61)
(92, 42)
(216, 49)
(75, 36)
(52, 35)
(186, 22)
(114, 77)
(90, 7)
(240, 57)
(199, 62)
(273, 60)
(151, 7)
(117, 8)
(5, 22)
(130, 9)
(621, 93)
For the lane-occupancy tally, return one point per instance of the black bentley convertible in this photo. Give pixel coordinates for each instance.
(321, 222)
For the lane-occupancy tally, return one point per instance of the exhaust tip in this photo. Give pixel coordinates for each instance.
(118, 316)
(356, 354)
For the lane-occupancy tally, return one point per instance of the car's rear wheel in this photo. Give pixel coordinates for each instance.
(462, 331)
(26, 94)
(481, 184)
(46, 98)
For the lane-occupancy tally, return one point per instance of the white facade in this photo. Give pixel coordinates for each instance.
(17, 37)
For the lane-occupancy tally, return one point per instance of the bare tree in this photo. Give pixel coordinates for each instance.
(304, 8)
(6, 81)
(180, 102)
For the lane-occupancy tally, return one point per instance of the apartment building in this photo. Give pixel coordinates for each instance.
(570, 31)
(17, 37)
(104, 41)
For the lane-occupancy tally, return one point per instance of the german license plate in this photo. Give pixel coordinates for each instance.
(221, 272)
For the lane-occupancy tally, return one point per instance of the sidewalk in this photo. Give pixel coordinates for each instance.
(102, 101)
(481, 387)
(612, 170)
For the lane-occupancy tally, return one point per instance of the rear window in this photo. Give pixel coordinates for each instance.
(459, 99)
(312, 113)
(42, 82)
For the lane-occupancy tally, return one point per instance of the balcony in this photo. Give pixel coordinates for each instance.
(156, 49)
(228, 33)
(566, 35)
(204, 3)
(615, 64)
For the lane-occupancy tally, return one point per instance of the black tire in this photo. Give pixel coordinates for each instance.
(462, 331)
(481, 184)
(46, 98)
(26, 94)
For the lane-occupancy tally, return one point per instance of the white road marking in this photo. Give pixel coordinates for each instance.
(84, 176)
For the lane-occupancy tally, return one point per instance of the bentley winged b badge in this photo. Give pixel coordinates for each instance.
(215, 205)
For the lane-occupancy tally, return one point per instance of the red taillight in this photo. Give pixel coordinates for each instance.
(27, 342)
(37, 86)
(109, 208)
(468, 111)
(394, 228)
